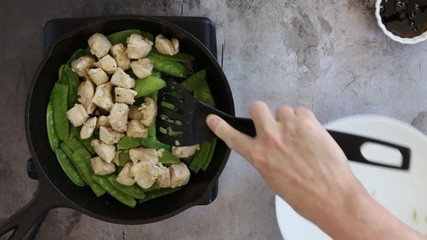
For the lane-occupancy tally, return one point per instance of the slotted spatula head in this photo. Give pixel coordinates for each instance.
(181, 118)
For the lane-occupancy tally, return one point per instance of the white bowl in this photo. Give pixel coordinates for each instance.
(396, 38)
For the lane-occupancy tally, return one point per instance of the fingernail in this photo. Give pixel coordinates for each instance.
(212, 120)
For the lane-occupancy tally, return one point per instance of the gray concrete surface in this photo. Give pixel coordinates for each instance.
(327, 55)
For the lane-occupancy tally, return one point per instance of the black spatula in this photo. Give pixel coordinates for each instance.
(181, 122)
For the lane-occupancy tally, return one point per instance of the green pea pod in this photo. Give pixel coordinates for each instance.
(72, 80)
(158, 193)
(122, 36)
(133, 191)
(148, 85)
(152, 130)
(76, 55)
(173, 68)
(200, 157)
(73, 143)
(210, 155)
(128, 143)
(203, 94)
(168, 158)
(113, 191)
(51, 133)
(124, 158)
(81, 159)
(59, 108)
(180, 57)
(69, 154)
(149, 142)
(69, 168)
(87, 143)
(194, 80)
(156, 73)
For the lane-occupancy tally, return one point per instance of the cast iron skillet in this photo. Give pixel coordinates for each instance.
(56, 190)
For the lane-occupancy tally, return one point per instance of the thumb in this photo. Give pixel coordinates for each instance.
(233, 138)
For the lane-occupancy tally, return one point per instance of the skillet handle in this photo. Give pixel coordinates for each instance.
(28, 219)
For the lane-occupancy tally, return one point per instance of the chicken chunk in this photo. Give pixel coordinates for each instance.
(119, 117)
(136, 129)
(125, 177)
(122, 79)
(149, 111)
(138, 47)
(98, 76)
(77, 115)
(186, 151)
(124, 95)
(99, 45)
(103, 97)
(145, 173)
(180, 175)
(166, 46)
(118, 51)
(105, 151)
(109, 136)
(134, 113)
(144, 154)
(107, 63)
(142, 68)
(103, 121)
(88, 128)
(85, 94)
(82, 65)
(164, 178)
(100, 167)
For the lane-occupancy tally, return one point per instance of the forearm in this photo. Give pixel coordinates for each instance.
(362, 217)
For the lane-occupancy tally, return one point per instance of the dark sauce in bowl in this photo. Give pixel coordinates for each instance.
(404, 18)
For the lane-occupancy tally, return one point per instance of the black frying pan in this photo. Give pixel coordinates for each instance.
(56, 190)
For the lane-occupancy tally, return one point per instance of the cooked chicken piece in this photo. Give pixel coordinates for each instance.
(100, 167)
(109, 136)
(118, 51)
(98, 76)
(185, 152)
(124, 95)
(144, 154)
(103, 121)
(125, 177)
(145, 173)
(134, 113)
(136, 129)
(138, 47)
(119, 117)
(180, 175)
(105, 151)
(107, 63)
(122, 79)
(77, 115)
(102, 97)
(99, 45)
(166, 46)
(85, 94)
(82, 65)
(164, 178)
(142, 68)
(88, 128)
(149, 111)
(116, 159)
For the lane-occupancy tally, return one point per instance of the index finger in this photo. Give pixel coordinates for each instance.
(262, 116)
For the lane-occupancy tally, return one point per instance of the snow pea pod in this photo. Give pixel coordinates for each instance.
(148, 85)
(87, 144)
(69, 154)
(203, 94)
(128, 143)
(81, 159)
(200, 157)
(150, 142)
(158, 193)
(113, 191)
(173, 68)
(59, 108)
(123, 158)
(76, 55)
(210, 155)
(133, 191)
(180, 56)
(122, 36)
(194, 80)
(168, 158)
(51, 133)
(72, 80)
(69, 168)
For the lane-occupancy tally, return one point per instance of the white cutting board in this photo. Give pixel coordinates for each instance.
(404, 193)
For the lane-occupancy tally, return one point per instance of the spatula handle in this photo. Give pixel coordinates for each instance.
(351, 144)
